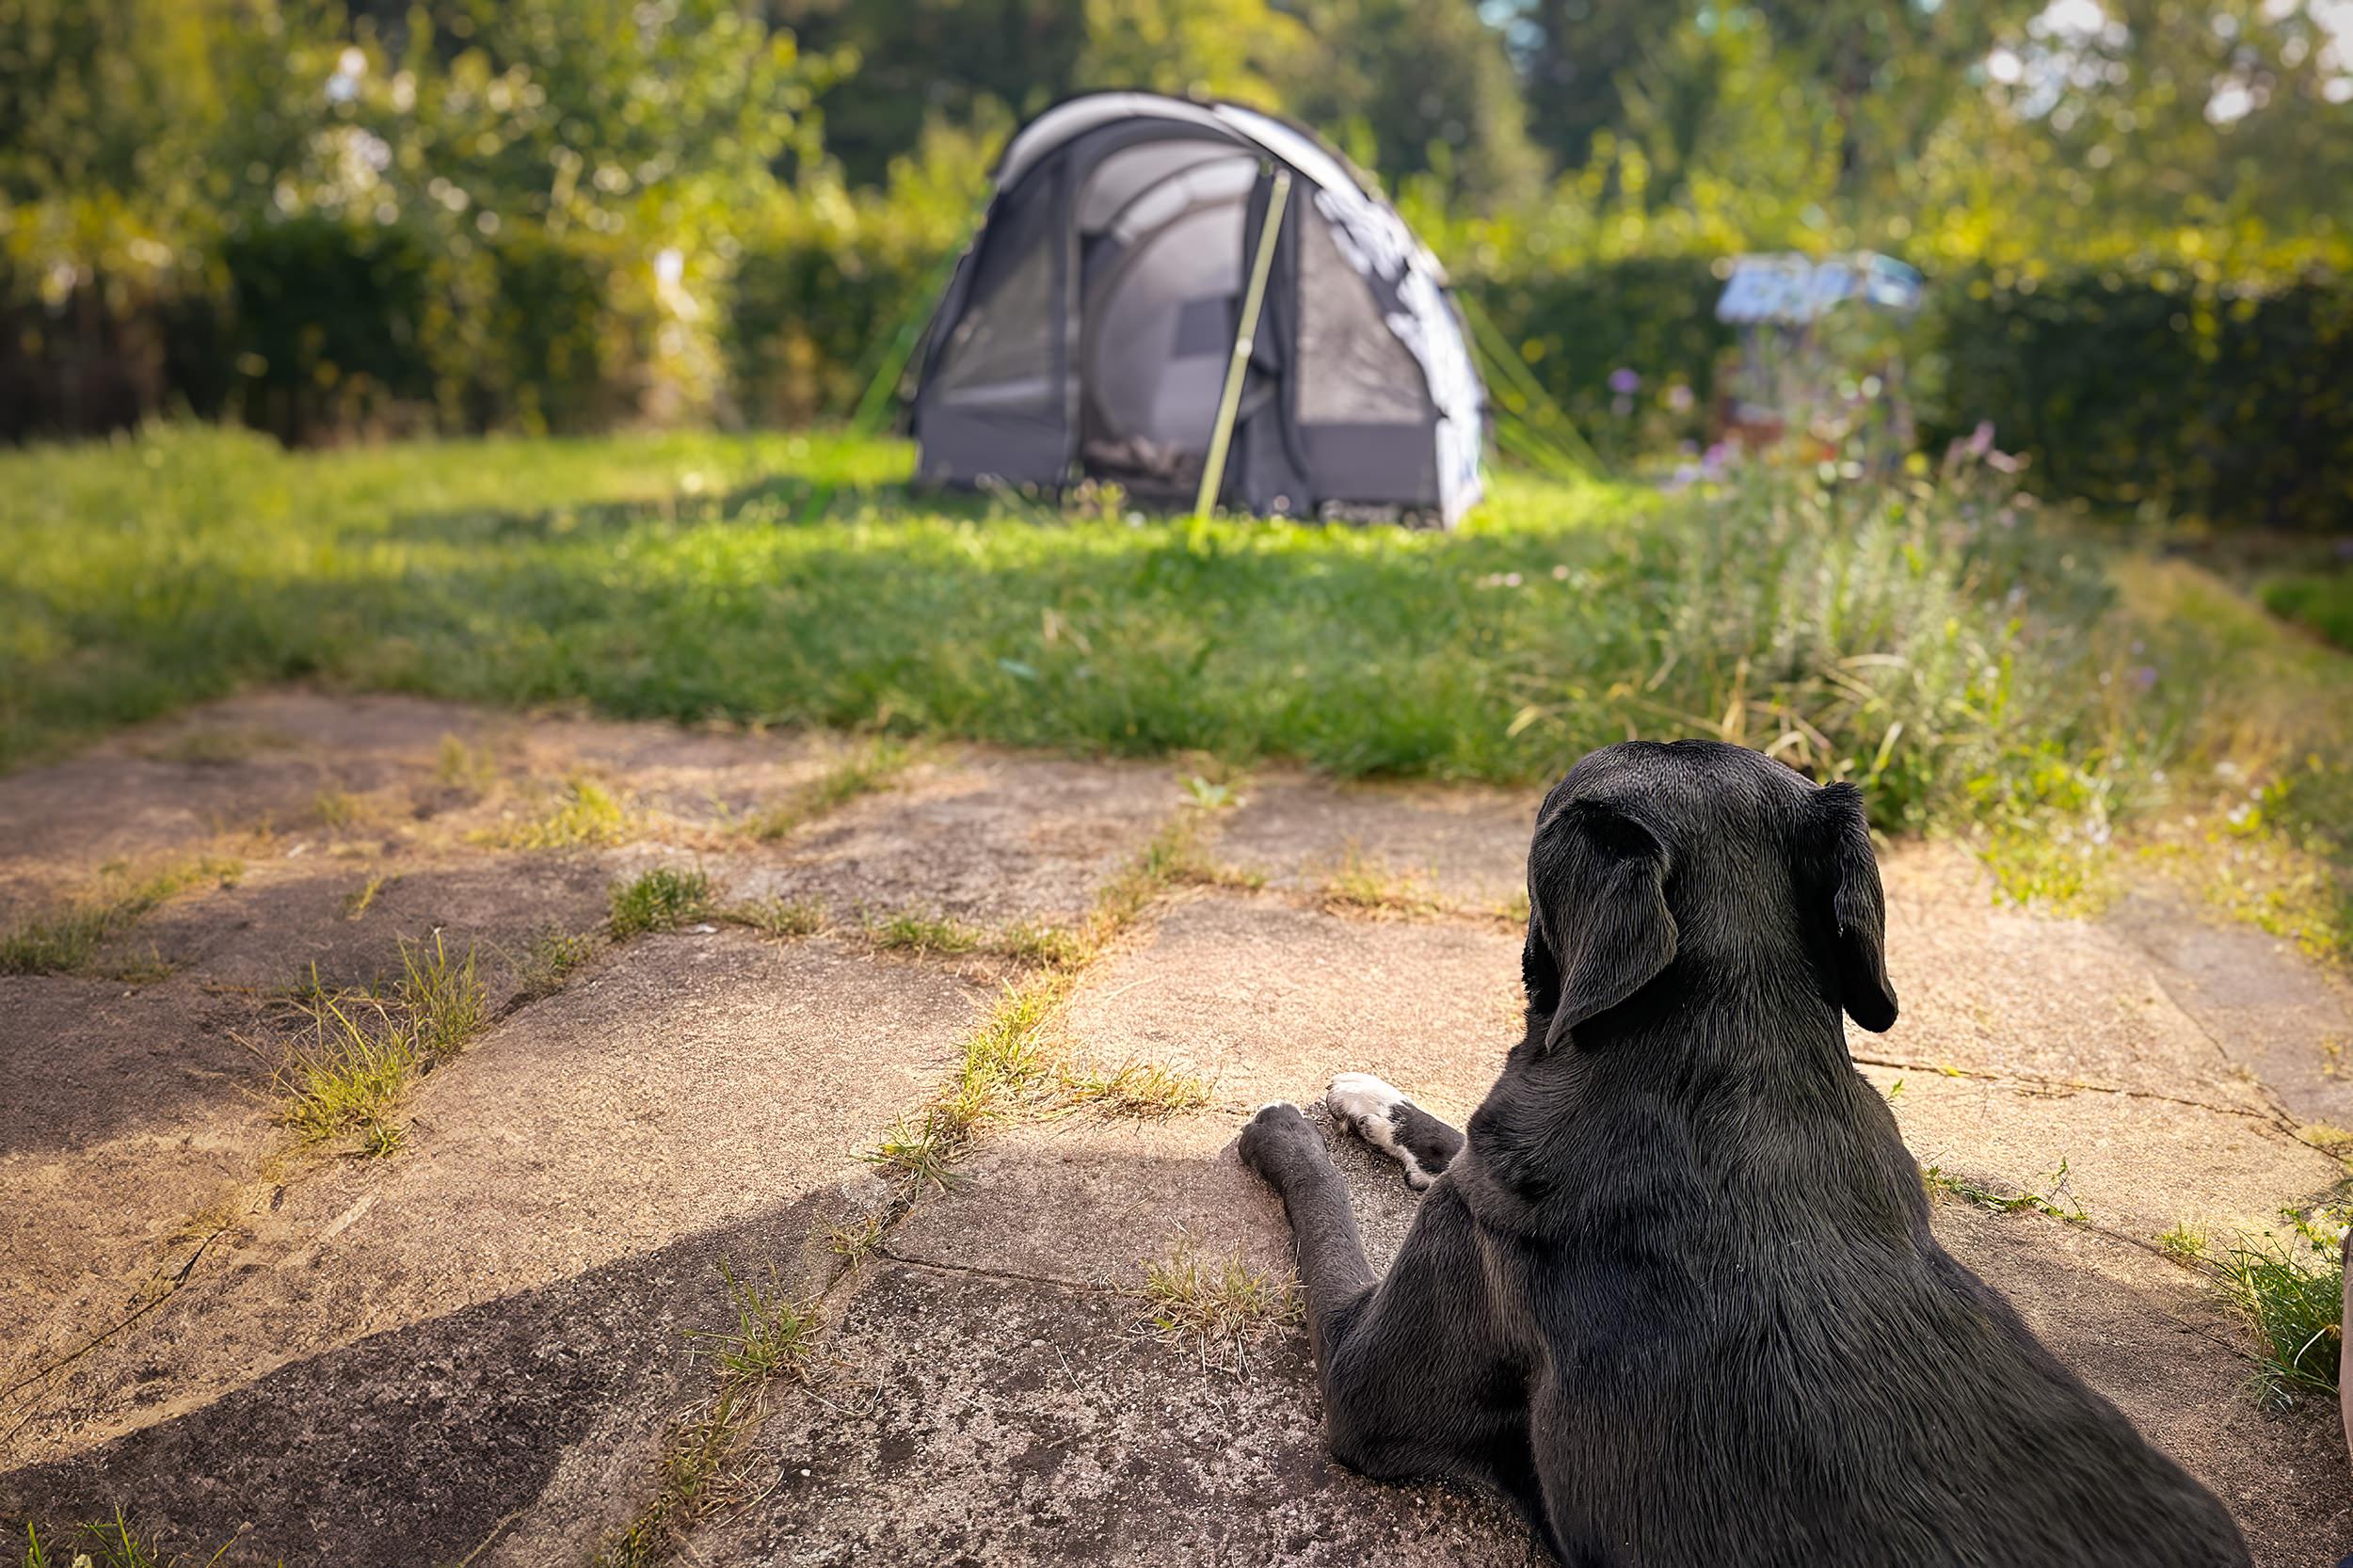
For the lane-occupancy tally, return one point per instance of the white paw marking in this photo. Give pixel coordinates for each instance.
(1367, 1104)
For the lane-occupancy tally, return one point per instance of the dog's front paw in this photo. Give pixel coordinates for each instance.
(1363, 1102)
(1266, 1131)
(1376, 1110)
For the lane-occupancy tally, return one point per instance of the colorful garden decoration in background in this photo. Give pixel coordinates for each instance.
(1821, 357)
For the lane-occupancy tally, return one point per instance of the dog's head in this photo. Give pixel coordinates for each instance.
(1745, 868)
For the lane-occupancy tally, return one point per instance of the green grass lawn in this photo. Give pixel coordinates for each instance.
(2322, 600)
(1961, 654)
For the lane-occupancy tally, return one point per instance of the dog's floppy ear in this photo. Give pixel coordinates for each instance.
(1846, 871)
(1598, 901)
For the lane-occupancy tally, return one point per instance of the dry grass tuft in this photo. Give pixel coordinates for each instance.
(1220, 1305)
(68, 940)
(912, 932)
(348, 1077)
(1364, 884)
(584, 813)
(865, 769)
(1146, 1091)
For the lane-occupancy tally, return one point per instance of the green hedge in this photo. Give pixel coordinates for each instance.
(2151, 388)
(319, 330)
(1653, 315)
(2124, 388)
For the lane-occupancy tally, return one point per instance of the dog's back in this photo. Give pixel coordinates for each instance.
(1710, 1250)
(1747, 1349)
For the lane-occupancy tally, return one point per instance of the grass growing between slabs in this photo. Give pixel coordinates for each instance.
(662, 899)
(109, 1544)
(1014, 1062)
(1974, 661)
(2288, 1289)
(1221, 1306)
(772, 1336)
(864, 770)
(345, 1077)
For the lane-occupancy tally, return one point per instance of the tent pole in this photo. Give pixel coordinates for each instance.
(1245, 337)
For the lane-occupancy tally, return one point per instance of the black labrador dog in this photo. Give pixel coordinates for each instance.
(1675, 1293)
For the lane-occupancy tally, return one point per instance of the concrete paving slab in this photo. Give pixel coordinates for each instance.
(228, 765)
(432, 1442)
(1466, 846)
(979, 836)
(2272, 1012)
(689, 1081)
(2019, 992)
(127, 1108)
(1271, 1001)
(2138, 1165)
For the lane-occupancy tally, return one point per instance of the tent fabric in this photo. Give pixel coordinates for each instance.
(1086, 331)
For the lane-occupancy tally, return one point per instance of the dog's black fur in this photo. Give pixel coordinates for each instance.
(1676, 1293)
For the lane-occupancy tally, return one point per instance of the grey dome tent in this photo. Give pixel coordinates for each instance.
(1089, 330)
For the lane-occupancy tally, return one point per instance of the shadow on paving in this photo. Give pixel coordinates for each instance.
(964, 1412)
(978, 1419)
(415, 1445)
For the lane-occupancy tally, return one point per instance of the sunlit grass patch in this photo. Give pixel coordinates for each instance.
(584, 813)
(2293, 1307)
(345, 1076)
(1145, 1091)
(908, 932)
(67, 941)
(1039, 942)
(441, 997)
(866, 768)
(1366, 885)
(337, 809)
(1005, 1060)
(2184, 1243)
(469, 768)
(662, 899)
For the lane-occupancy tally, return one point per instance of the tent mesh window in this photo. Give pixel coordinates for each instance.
(1351, 369)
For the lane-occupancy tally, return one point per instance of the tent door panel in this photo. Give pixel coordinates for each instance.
(1164, 284)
